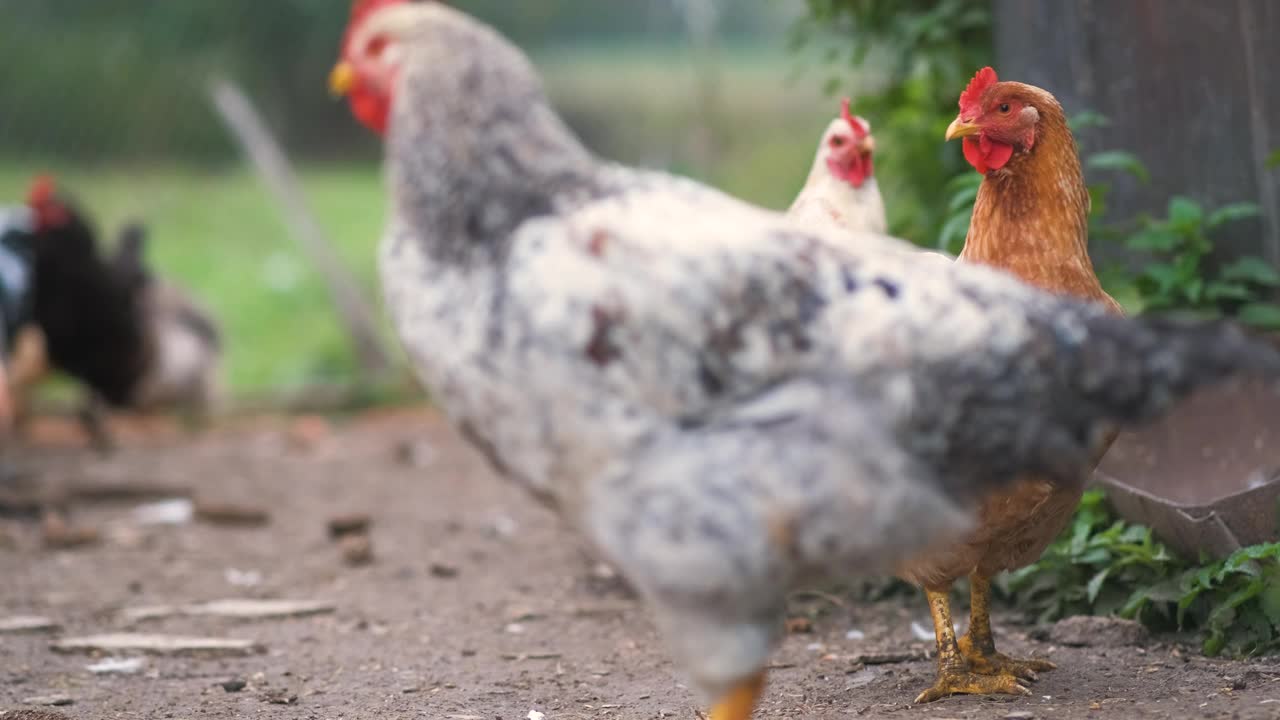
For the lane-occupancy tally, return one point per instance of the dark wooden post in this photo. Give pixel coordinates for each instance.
(1191, 87)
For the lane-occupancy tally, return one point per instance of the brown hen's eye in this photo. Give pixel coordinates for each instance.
(837, 141)
(1004, 107)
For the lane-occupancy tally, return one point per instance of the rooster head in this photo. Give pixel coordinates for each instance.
(366, 68)
(996, 118)
(47, 210)
(847, 147)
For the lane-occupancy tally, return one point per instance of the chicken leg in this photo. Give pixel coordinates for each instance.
(979, 646)
(955, 675)
(93, 418)
(741, 700)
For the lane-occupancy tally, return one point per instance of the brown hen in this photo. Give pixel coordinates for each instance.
(1030, 219)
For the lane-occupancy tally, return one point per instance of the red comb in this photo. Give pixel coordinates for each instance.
(972, 95)
(41, 191)
(860, 126)
(361, 8)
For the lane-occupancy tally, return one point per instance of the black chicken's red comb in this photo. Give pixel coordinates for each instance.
(42, 190)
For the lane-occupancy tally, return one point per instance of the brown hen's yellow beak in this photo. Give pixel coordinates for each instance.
(738, 704)
(868, 144)
(341, 79)
(959, 128)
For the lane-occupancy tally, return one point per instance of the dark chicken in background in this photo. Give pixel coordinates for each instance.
(133, 340)
(18, 364)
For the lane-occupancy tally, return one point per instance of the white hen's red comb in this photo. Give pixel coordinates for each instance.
(861, 127)
(361, 8)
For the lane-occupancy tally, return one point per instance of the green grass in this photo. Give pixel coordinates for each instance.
(220, 235)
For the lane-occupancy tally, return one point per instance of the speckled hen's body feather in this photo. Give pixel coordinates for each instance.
(721, 399)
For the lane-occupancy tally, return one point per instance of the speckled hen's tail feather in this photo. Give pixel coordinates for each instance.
(1053, 405)
(1155, 361)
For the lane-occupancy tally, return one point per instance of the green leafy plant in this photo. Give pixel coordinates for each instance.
(1102, 565)
(1178, 274)
(961, 192)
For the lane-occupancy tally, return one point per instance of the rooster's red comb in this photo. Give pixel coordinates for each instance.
(972, 95)
(860, 127)
(42, 190)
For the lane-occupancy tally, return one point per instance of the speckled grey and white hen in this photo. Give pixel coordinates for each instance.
(724, 402)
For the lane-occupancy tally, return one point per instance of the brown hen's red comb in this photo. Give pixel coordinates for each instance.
(971, 98)
(860, 126)
(41, 191)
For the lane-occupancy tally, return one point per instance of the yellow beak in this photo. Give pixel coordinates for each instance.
(740, 701)
(959, 128)
(341, 79)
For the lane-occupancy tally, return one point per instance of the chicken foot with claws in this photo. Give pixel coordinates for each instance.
(979, 647)
(956, 676)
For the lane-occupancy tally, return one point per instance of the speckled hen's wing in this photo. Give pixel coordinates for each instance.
(680, 299)
(673, 302)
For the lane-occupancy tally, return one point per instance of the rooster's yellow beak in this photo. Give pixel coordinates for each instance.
(959, 128)
(341, 79)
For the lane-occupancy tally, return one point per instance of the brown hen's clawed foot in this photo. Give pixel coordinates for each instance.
(996, 663)
(955, 676)
(962, 682)
(978, 646)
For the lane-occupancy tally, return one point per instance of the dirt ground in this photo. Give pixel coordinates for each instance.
(478, 604)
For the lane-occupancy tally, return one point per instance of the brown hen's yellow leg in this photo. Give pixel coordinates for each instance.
(738, 704)
(979, 647)
(955, 677)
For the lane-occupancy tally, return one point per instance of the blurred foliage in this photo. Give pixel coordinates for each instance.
(557, 22)
(1102, 565)
(125, 79)
(927, 50)
(93, 79)
(1178, 276)
(1175, 270)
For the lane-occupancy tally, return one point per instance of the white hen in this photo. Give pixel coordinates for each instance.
(841, 191)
